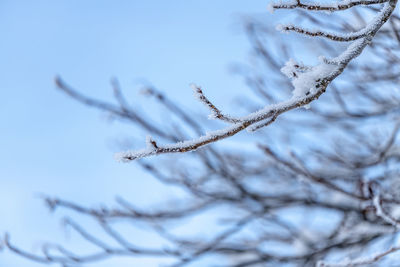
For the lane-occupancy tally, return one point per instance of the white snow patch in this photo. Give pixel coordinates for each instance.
(305, 79)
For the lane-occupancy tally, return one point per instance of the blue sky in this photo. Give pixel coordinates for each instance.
(53, 145)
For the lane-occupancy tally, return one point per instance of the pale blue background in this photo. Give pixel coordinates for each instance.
(53, 145)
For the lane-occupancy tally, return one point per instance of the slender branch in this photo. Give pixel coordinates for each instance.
(335, 6)
(316, 33)
(215, 112)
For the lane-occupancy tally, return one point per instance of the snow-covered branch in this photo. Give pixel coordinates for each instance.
(309, 82)
(317, 33)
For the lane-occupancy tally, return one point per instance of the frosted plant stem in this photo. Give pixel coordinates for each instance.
(360, 261)
(308, 86)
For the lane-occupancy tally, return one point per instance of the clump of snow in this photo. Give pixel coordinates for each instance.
(292, 68)
(305, 79)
